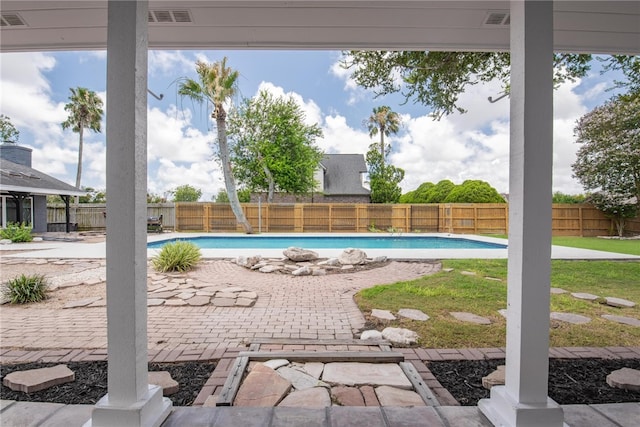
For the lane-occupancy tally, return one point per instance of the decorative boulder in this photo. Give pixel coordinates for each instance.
(400, 335)
(248, 261)
(299, 254)
(352, 256)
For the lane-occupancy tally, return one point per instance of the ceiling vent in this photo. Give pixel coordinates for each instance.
(169, 16)
(12, 20)
(497, 19)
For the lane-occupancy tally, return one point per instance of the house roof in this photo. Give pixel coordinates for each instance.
(342, 174)
(23, 179)
(476, 25)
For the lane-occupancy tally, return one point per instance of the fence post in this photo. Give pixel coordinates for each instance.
(580, 220)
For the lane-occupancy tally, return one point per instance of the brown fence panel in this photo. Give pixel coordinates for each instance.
(633, 225)
(281, 217)
(424, 218)
(316, 217)
(379, 217)
(344, 218)
(191, 216)
(463, 218)
(220, 217)
(491, 218)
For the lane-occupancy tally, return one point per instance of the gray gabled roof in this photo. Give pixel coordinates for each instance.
(342, 174)
(23, 179)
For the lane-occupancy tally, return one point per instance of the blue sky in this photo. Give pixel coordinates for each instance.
(35, 86)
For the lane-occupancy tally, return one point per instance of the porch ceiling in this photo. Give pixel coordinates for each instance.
(580, 26)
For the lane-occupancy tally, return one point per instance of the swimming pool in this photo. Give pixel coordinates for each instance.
(331, 242)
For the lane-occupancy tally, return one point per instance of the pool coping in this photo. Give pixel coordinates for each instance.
(60, 249)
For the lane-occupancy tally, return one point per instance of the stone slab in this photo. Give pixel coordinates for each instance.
(625, 414)
(81, 303)
(400, 336)
(313, 368)
(347, 396)
(245, 302)
(223, 302)
(623, 319)
(342, 416)
(382, 314)
(355, 373)
(470, 318)
(468, 273)
(262, 387)
(33, 380)
(164, 380)
(198, 301)
(463, 416)
(175, 302)
(369, 395)
(152, 302)
(494, 378)
(70, 415)
(276, 363)
(371, 334)
(413, 314)
(584, 296)
(557, 291)
(619, 302)
(392, 396)
(575, 319)
(584, 415)
(316, 397)
(296, 417)
(406, 417)
(29, 413)
(625, 378)
(162, 294)
(299, 380)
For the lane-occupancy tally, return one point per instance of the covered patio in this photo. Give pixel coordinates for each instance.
(530, 30)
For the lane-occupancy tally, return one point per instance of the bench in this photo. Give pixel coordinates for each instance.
(154, 223)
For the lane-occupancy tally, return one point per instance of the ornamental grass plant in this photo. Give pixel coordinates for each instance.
(177, 256)
(25, 289)
(17, 233)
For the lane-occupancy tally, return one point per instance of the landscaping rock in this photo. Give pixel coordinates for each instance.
(369, 395)
(81, 303)
(311, 368)
(413, 314)
(400, 336)
(470, 317)
(299, 380)
(347, 396)
(198, 301)
(262, 387)
(318, 272)
(276, 363)
(248, 262)
(584, 296)
(371, 335)
(382, 314)
(381, 258)
(302, 271)
(245, 302)
(299, 254)
(557, 291)
(247, 294)
(575, 319)
(317, 397)
(164, 380)
(392, 396)
(494, 378)
(34, 380)
(468, 273)
(625, 378)
(269, 269)
(356, 373)
(352, 256)
(223, 302)
(152, 302)
(619, 302)
(623, 319)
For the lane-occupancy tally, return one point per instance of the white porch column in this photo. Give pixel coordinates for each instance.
(130, 400)
(523, 400)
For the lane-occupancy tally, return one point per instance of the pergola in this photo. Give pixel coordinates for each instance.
(532, 30)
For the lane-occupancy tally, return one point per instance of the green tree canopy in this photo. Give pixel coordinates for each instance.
(186, 193)
(474, 191)
(419, 195)
(8, 132)
(273, 148)
(217, 84)
(439, 192)
(559, 197)
(608, 159)
(384, 179)
(436, 79)
(85, 112)
(244, 195)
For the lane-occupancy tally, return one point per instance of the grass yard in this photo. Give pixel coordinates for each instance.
(444, 292)
(630, 247)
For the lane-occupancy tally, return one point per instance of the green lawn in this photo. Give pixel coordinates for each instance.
(439, 294)
(631, 247)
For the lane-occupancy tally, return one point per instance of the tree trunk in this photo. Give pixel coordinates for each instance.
(229, 182)
(269, 175)
(80, 146)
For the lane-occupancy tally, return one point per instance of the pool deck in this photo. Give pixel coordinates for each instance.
(62, 249)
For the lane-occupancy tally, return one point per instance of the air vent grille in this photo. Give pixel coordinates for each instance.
(12, 20)
(170, 16)
(497, 18)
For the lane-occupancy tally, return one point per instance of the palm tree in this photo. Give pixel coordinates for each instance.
(385, 122)
(85, 111)
(217, 84)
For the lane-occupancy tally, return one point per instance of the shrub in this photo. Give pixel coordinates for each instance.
(176, 256)
(16, 232)
(24, 289)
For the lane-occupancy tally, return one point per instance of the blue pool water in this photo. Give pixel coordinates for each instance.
(332, 242)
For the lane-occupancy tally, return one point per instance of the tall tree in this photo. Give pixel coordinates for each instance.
(608, 160)
(8, 132)
(273, 147)
(436, 79)
(385, 122)
(85, 112)
(186, 193)
(217, 85)
(383, 178)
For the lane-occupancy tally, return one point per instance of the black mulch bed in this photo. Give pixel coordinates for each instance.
(571, 381)
(91, 382)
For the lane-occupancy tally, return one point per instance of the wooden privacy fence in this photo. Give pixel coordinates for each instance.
(90, 216)
(568, 219)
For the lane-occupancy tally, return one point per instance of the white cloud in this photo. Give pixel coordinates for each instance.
(339, 138)
(311, 110)
(356, 93)
(204, 175)
(169, 62)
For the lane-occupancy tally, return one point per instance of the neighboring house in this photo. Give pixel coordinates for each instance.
(24, 190)
(339, 178)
